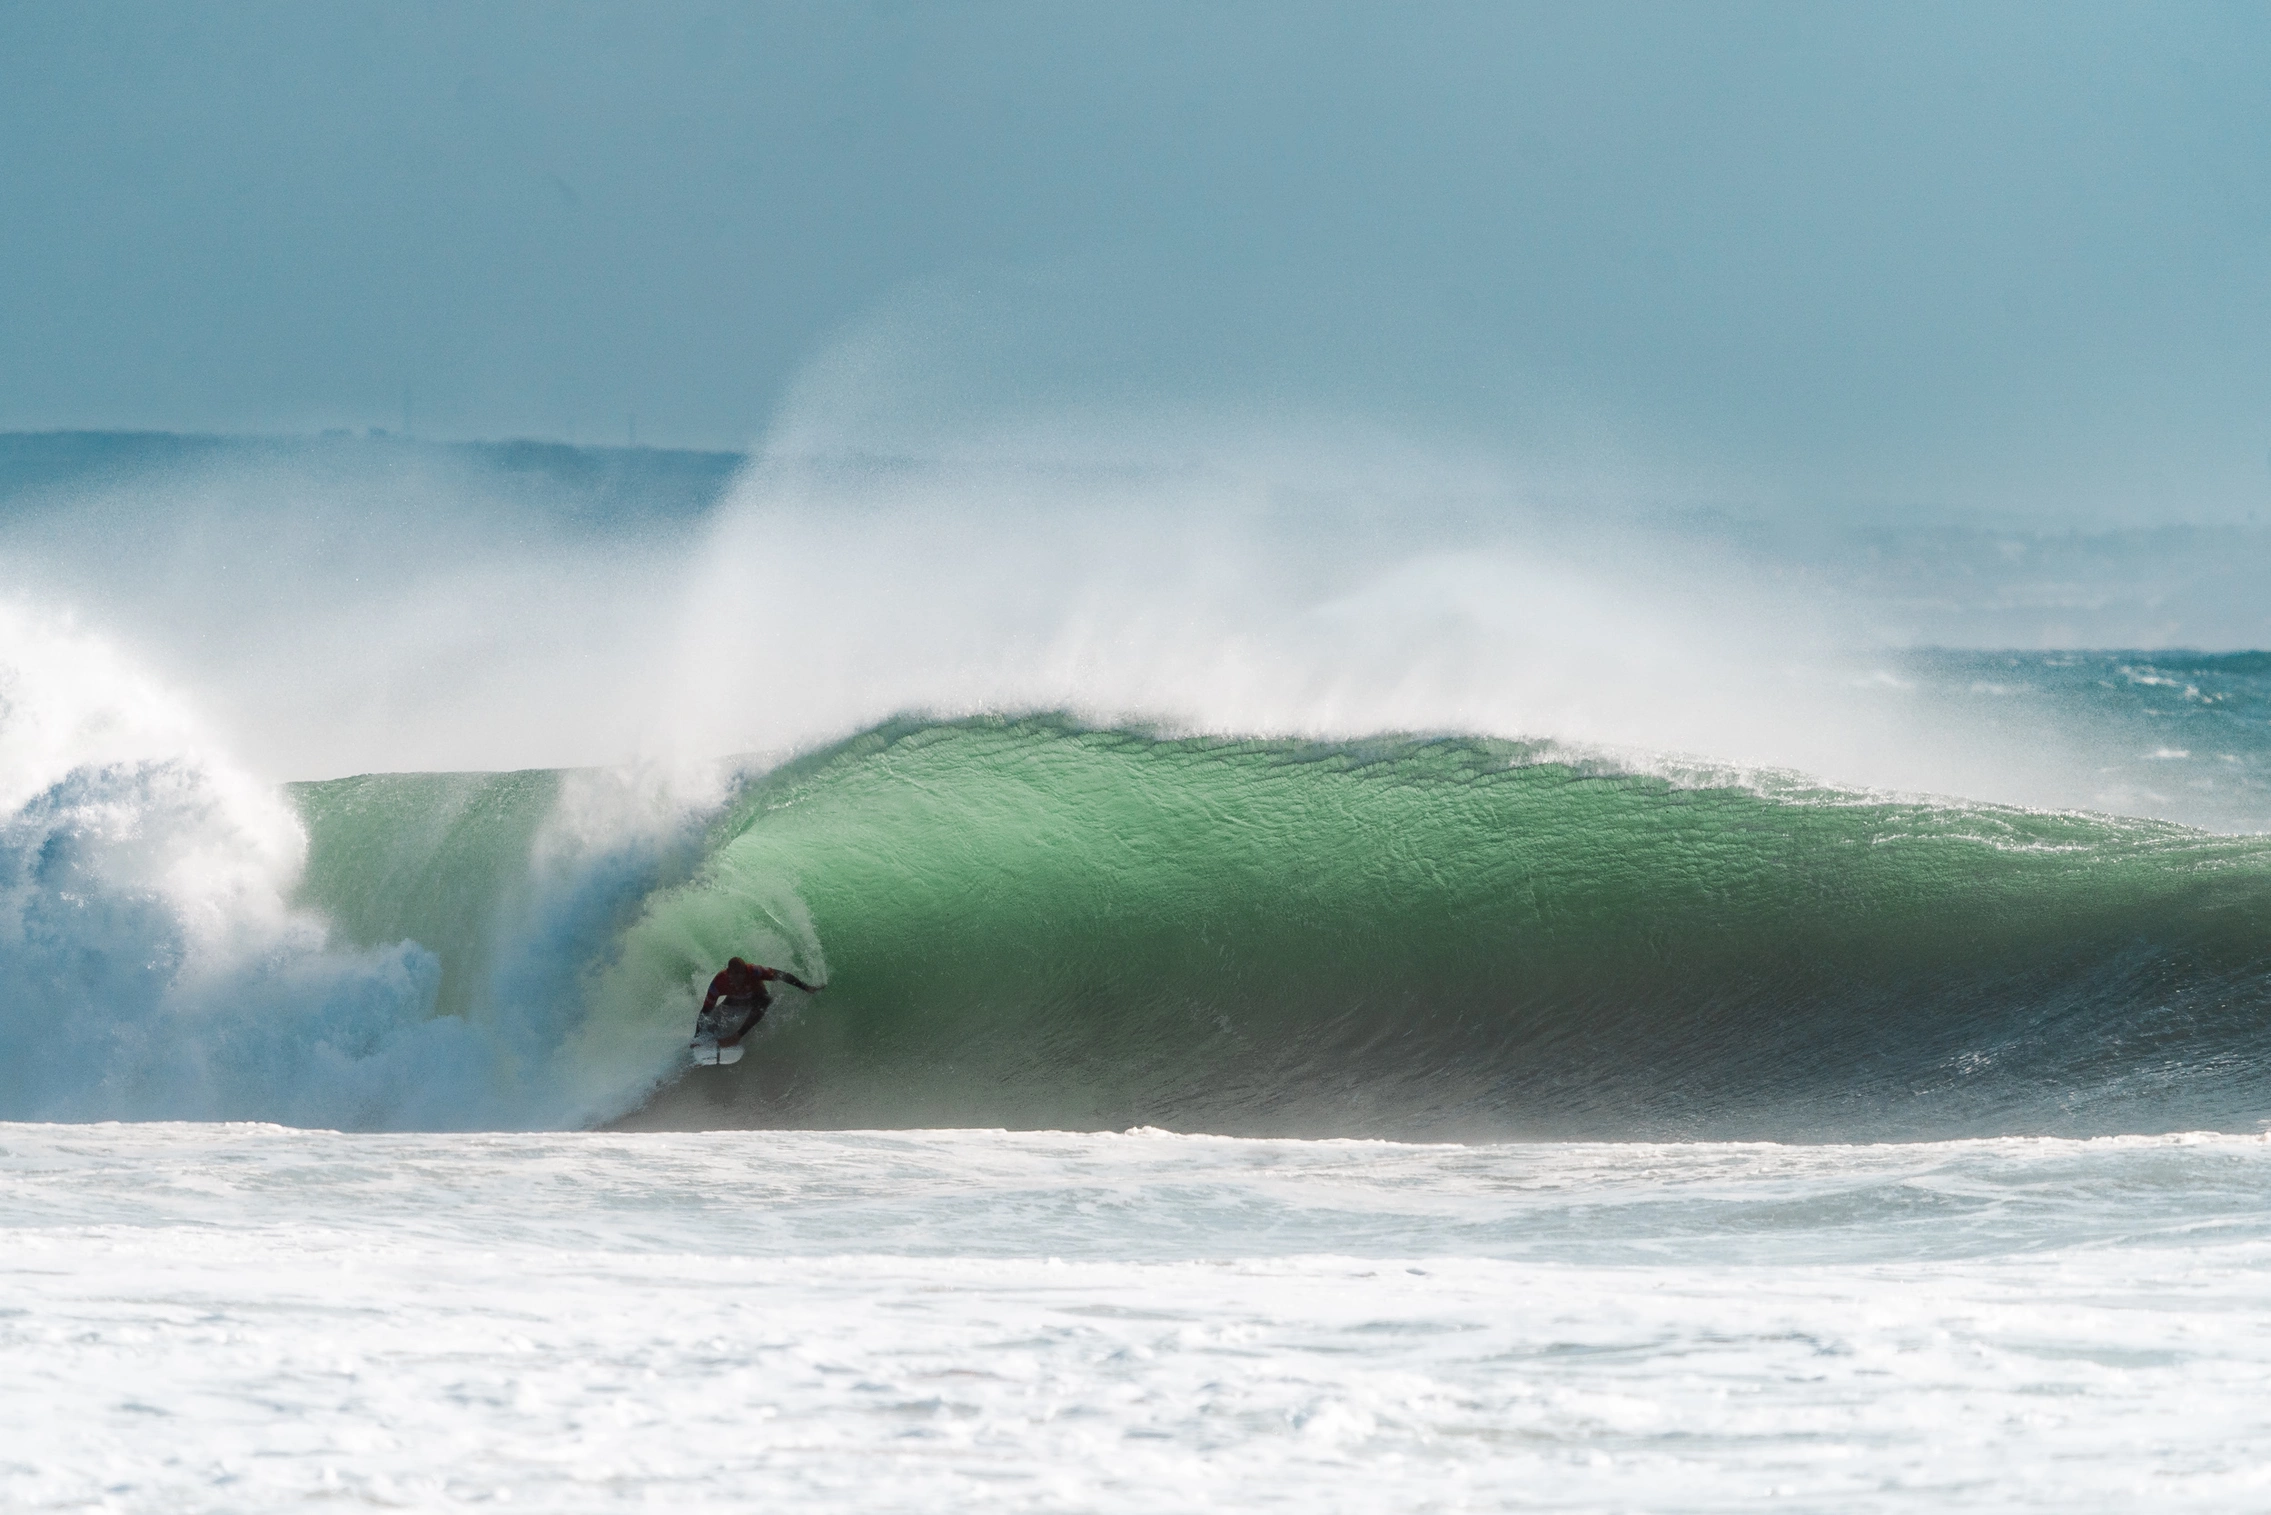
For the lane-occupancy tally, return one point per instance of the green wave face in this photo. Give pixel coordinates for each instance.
(432, 858)
(1026, 923)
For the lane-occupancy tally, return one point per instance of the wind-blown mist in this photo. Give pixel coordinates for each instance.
(424, 618)
(386, 607)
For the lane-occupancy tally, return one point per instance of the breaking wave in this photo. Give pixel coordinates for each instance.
(1033, 921)
(1028, 922)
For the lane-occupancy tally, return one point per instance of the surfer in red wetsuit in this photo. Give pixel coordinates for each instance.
(738, 999)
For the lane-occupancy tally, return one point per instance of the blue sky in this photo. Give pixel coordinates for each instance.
(1911, 257)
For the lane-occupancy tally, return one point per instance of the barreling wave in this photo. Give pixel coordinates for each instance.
(1028, 922)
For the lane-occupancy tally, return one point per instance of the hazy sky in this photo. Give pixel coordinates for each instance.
(1958, 256)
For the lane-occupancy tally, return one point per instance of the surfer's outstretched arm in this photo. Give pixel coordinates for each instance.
(787, 977)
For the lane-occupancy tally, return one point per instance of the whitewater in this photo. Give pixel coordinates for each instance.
(1327, 1006)
(245, 1317)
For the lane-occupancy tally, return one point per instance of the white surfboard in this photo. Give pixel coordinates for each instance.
(708, 1054)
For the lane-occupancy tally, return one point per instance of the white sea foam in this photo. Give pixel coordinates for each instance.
(254, 1319)
(156, 966)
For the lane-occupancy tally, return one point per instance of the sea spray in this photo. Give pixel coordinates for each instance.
(153, 964)
(160, 959)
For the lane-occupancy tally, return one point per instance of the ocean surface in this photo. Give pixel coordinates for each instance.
(1399, 1106)
(234, 1317)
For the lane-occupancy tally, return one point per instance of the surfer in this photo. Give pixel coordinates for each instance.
(738, 999)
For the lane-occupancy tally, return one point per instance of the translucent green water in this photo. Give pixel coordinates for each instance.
(1026, 922)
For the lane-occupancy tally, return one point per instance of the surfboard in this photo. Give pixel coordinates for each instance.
(708, 1054)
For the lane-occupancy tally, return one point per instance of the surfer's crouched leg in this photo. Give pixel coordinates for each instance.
(736, 1020)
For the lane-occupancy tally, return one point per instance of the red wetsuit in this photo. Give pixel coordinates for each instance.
(739, 999)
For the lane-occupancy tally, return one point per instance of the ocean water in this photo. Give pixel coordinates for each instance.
(247, 1317)
(1673, 1077)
